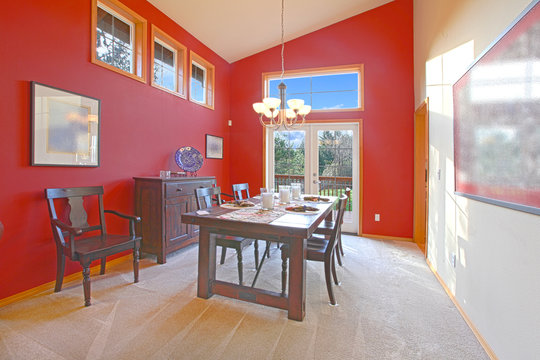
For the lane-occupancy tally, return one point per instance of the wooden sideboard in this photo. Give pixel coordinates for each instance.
(160, 202)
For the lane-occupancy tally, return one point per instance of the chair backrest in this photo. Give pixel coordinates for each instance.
(76, 211)
(237, 191)
(337, 224)
(348, 194)
(205, 196)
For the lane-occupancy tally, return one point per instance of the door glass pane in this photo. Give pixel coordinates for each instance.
(289, 155)
(335, 163)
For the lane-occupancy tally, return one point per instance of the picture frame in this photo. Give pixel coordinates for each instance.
(496, 130)
(65, 127)
(214, 147)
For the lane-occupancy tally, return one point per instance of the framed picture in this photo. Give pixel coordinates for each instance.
(497, 120)
(65, 128)
(214, 147)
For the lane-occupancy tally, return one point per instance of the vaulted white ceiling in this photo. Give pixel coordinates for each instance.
(235, 29)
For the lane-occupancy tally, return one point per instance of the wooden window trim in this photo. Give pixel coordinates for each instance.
(322, 71)
(181, 61)
(210, 80)
(140, 42)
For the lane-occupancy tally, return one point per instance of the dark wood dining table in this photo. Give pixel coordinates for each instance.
(293, 229)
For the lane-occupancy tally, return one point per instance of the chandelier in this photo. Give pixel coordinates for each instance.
(274, 109)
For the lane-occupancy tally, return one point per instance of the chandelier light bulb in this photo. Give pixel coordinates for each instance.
(260, 108)
(295, 104)
(272, 103)
(304, 110)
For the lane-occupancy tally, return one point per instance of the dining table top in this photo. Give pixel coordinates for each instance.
(282, 222)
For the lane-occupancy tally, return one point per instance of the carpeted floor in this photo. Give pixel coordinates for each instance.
(390, 307)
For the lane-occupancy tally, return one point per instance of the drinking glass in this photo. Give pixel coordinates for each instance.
(267, 200)
(284, 194)
(295, 189)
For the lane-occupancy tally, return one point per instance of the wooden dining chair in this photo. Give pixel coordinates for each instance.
(319, 249)
(238, 193)
(326, 227)
(238, 190)
(78, 240)
(205, 198)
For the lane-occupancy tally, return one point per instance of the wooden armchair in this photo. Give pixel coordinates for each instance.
(79, 242)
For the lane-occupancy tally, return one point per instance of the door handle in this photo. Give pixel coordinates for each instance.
(316, 182)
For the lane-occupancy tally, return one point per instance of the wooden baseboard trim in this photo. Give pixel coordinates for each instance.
(384, 237)
(475, 331)
(67, 279)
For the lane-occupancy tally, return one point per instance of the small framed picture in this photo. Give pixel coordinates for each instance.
(65, 128)
(214, 147)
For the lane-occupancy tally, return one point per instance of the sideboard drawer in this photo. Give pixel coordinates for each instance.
(179, 189)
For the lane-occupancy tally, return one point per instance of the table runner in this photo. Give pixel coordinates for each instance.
(255, 214)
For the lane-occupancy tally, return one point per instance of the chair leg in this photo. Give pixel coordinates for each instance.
(268, 244)
(86, 283)
(60, 266)
(334, 274)
(103, 263)
(223, 253)
(340, 246)
(240, 266)
(259, 268)
(338, 255)
(136, 264)
(327, 270)
(256, 247)
(284, 257)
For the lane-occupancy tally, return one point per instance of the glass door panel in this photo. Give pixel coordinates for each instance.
(335, 165)
(324, 158)
(289, 157)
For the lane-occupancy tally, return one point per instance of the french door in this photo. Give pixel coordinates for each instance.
(324, 158)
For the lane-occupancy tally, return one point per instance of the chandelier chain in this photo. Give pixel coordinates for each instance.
(274, 109)
(282, 42)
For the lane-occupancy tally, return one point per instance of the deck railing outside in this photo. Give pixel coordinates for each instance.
(330, 185)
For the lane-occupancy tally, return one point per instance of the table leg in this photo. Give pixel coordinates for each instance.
(297, 278)
(207, 263)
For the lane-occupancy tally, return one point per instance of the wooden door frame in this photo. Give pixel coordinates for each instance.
(421, 118)
(360, 123)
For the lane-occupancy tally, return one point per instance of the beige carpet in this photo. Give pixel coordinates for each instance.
(390, 307)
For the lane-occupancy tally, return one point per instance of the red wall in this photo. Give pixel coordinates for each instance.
(382, 40)
(141, 126)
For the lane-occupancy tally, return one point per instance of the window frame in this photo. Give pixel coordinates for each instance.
(180, 50)
(138, 34)
(209, 79)
(333, 70)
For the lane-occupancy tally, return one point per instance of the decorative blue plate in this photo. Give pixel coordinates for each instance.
(188, 159)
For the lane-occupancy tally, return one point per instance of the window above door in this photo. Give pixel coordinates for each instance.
(325, 89)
